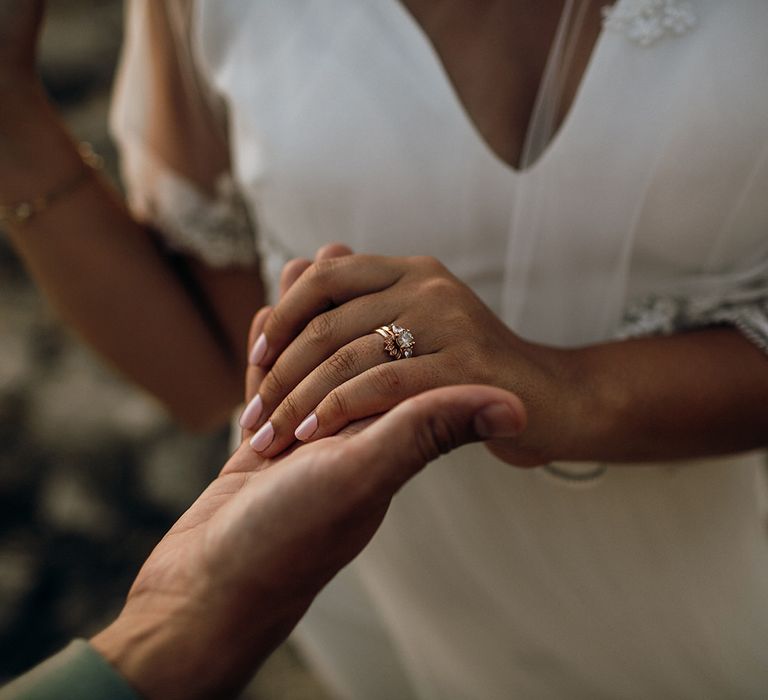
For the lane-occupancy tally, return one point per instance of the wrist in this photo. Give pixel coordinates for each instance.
(162, 659)
(567, 405)
(136, 650)
(190, 653)
(593, 404)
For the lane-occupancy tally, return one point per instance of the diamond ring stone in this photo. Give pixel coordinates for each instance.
(398, 341)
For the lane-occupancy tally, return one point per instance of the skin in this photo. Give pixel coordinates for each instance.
(102, 270)
(92, 278)
(689, 395)
(494, 53)
(235, 574)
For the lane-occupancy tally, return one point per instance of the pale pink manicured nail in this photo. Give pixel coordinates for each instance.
(252, 412)
(258, 350)
(263, 438)
(306, 428)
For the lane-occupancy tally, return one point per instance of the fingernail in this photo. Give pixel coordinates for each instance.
(258, 350)
(252, 412)
(263, 437)
(497, 421)
(306, 428)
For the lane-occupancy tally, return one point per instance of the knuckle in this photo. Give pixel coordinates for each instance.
(332, 250)
(438, 436)
(292, 265)
(439, 287)
(323, 271)
(429, 262)
(290, 409)
(277, 321)
(337, 404)
(343, 363)
(385, 379)
(274, 384)
(320, 330)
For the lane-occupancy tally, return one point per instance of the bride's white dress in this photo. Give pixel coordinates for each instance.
(646, 212)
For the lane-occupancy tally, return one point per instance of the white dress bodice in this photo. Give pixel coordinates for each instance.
(486, 581)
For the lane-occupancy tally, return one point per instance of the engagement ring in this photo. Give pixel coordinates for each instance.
(398, 341)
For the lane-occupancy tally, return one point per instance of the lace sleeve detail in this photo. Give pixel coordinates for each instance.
(216, 229)
(746, 309)
(171, 129)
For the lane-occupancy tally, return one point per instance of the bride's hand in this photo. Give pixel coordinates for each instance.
(327, 366)
(254, 374)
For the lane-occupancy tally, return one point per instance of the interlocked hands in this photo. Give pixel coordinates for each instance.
(322, 366)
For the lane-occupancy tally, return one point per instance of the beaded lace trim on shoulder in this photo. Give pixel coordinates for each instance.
(645, 22)
(215, 229)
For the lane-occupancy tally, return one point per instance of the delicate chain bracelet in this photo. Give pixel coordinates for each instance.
(22, 212)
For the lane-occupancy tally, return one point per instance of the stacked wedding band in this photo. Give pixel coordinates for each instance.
(398, 342)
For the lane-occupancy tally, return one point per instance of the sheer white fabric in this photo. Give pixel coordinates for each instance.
(715, 291)
(678, 205)
(171, 131)
(215, 228)
(486, 581)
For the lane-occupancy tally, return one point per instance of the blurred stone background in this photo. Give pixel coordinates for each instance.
(92, 472)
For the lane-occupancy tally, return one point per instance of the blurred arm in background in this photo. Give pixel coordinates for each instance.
(171, 323)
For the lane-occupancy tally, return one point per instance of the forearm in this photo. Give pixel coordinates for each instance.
(689, 395)
(105, 275)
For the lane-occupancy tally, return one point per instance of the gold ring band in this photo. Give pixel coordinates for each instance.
(398, 341)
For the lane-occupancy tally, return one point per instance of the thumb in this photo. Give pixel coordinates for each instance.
(403, 441)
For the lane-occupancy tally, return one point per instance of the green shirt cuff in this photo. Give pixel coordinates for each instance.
(78, 671)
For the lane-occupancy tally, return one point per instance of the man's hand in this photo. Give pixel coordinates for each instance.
(235, 574)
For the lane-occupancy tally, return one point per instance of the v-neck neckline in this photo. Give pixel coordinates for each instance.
(434, 63)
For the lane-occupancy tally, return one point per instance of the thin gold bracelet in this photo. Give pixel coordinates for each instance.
(22, 212)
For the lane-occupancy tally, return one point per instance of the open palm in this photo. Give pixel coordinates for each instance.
(242, 565)
(260, 543)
